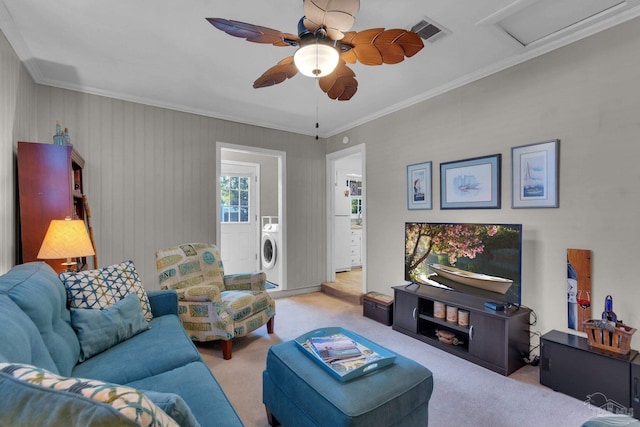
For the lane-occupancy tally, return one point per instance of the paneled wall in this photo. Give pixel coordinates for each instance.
(17, 119)
(588, 96)
(150, 178)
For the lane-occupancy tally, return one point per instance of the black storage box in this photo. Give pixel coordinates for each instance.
(378, 307)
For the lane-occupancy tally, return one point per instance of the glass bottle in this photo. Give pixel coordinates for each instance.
(572, 287)
(608, 314)
(58, 138)
(66, 138)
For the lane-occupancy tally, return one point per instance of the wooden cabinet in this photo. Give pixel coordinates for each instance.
(635, 386)
(487, 338)
(569, 365)
(497, 340)
(405, 315)
(50, 186)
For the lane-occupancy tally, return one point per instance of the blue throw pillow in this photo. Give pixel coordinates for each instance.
(174, 406)
(99, 330)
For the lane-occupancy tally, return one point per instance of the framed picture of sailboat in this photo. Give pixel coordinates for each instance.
(534, 175)
(471, 183)
(419, 186)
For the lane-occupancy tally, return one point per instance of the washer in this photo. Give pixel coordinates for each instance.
(271, 244)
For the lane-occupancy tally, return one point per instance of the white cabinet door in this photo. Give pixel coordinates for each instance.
(356, 248)
(342, 249)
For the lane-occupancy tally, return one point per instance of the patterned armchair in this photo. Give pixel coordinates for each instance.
(213, 306)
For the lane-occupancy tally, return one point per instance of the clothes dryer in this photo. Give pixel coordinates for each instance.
(271, 246)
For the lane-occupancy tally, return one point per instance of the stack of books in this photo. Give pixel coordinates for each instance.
(334, 348)
(343, 354)
(340, 353)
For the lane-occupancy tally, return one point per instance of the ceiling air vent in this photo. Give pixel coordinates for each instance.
(428, 30)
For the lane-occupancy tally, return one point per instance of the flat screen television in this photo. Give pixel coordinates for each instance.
(479, 259)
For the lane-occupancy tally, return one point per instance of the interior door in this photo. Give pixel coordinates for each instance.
(239, 225)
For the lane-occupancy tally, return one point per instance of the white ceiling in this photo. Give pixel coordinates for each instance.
(164, 52)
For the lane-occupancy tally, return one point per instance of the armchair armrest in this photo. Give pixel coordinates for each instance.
(200, 293)
(163, 302)
(245, 282)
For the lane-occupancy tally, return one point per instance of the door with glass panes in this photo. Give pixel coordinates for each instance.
(239, 225)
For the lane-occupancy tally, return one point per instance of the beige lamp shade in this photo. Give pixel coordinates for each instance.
(66, 238)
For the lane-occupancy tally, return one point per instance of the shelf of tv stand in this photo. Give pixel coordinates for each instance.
(496, 340)
(448, 325)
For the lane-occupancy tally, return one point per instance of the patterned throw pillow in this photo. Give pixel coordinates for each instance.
(101, 288)
(129, 402)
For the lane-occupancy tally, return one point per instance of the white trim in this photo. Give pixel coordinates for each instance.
(282, 195)
(293, 292)
(330, 173)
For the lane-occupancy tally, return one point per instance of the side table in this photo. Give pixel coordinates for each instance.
(569, 365)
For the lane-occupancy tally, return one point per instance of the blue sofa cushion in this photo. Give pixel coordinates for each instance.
(174, 406)
(99, 330)
(195, 383)
(163, 302)
(105, 286)
(21, 341)
(40, 294)
(33, 396)
(163, 347)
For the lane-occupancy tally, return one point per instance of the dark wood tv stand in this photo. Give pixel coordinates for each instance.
(496, 340)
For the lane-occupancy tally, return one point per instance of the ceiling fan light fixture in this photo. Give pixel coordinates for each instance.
(316, 59)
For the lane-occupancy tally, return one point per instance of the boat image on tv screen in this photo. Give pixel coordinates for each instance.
(480, 259)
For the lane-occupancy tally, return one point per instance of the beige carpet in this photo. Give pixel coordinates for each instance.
(464, 394)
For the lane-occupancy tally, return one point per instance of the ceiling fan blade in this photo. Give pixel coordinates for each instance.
(341, 84)
(410, 42)
(377, 46)
(364, 48)
(337, 16)
(254, 33)
(349, 55)
(391, 45)
(283, 70)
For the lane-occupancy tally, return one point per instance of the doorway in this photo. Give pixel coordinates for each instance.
(265, 173)
(346, 204)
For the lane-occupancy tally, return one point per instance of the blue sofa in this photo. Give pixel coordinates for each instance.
(161, 363)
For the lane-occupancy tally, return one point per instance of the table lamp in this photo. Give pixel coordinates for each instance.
(66, 238)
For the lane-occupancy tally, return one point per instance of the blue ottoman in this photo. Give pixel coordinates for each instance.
(297, 392)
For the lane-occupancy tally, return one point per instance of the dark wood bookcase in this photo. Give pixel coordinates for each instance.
(497, 340)
(50, 187)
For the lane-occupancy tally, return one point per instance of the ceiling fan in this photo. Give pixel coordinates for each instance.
(325, 45)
